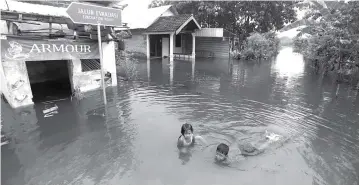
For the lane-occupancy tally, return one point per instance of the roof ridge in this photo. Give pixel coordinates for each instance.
(159, 7)
(169, 23)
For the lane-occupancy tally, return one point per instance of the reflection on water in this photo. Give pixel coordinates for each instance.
(289, 64)
(133, 139)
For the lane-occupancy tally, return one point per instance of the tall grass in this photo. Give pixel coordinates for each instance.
(127, 64)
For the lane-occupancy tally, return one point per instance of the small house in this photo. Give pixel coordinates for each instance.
(155, 30)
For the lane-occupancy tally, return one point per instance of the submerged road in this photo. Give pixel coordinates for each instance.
(133, 139)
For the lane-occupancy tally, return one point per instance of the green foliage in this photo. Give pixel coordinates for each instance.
(333, 42)
(239, 17)
(127, 64)
(299, 44)
(260, 46)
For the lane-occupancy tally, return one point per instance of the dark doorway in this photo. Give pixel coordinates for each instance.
(49, 79)
(156, 45)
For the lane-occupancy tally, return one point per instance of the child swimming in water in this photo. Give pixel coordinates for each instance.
(222, 152)
(224, 155)
(187, 138)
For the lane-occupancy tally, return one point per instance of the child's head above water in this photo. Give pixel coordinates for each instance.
(187, 130)
(222, 152)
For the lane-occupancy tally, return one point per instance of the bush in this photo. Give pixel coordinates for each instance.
(331, 44)
(127, 64)
(329, 55)
(299, 44)
(260, 46)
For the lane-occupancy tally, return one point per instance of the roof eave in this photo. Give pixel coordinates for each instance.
(157, 33)
(185, 23)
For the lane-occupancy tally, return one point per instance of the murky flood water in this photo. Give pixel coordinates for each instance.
(133, 139)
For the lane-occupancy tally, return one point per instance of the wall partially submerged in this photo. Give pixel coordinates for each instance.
(218, 47)
(15, 76)
(209, 42)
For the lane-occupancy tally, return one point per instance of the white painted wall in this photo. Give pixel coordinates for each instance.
(110, 60)
(91, 80)
(3, 27)
(165, 46)
(14, 71)
(3, 82)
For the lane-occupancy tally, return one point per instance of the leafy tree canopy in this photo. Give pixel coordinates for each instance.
(239, 17)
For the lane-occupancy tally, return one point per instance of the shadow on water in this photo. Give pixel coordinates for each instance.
(132, 140)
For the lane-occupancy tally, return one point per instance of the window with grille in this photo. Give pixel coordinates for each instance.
(90, 64)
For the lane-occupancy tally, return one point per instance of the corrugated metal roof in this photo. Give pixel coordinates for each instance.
(142, 19)
(209, 32)
(16, 6)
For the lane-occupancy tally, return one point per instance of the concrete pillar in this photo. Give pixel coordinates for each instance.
(148, 45)
(75, 69)
(193, 70)
(148, 70)
(18, 90)
(4, 90)
(193, 46)
(171, 73)
(171, 46)
(165, 66)
(109, 60)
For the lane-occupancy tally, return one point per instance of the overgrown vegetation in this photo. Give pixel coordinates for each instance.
(127, 64)
(259, 46)
(330, 43)
(239, 17)
(252, 22)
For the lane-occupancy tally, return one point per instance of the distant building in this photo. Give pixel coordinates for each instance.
(160, 23)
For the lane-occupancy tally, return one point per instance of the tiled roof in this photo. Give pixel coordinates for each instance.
(168, 23)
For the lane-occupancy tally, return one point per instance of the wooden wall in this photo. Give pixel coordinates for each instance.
(216, 46)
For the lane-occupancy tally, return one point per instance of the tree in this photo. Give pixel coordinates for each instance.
(333, 42)
(239, 17)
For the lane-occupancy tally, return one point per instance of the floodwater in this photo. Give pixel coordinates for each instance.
(132, 140)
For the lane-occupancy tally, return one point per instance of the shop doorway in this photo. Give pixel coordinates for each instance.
(49, 79)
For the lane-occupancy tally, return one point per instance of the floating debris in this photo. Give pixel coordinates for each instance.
(50, 111)
(52, 101)
(51, 114)
(47, 110)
